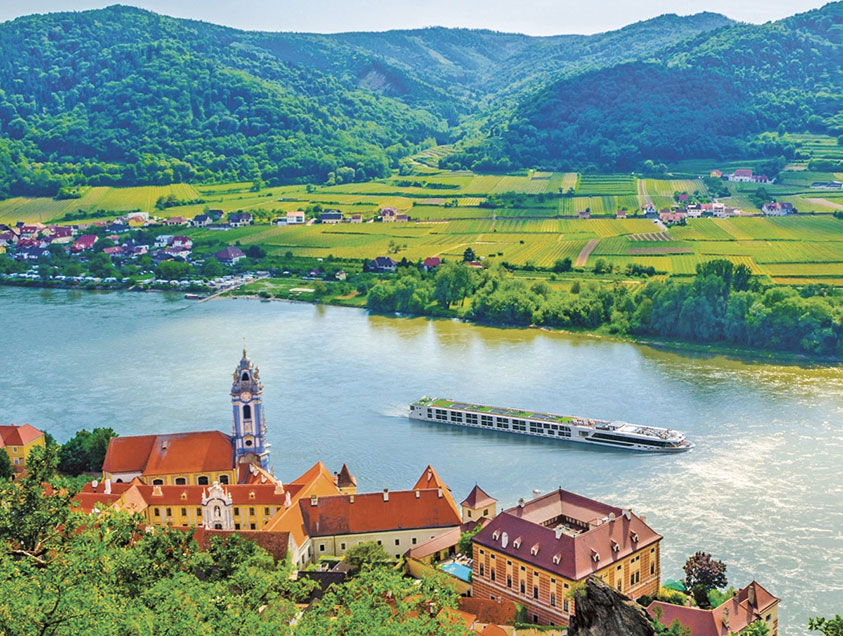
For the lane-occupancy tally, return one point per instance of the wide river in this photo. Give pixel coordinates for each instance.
(762, 490)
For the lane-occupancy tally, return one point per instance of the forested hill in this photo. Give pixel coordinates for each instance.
(125, 96)
(704, 97)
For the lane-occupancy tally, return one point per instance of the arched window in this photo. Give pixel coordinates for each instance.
(247, 412)
(157, 482)
(202, 481)
(223, 479)
(217, 526)
(180, 481)
(244, 377)
(119, 481)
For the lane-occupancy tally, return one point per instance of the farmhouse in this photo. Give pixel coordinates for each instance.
(382, 265)
(387, 215)
(431, 262)
(749, 604)
(230, 255)
(745, 175)
(176, 220)
(239, 219)
(330, 217)
(776, 208)
(84, 243)
(355, 218)
(621, 214)
(295, 218)
(669, 216)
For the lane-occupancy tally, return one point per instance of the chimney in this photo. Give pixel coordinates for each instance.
(314, 500)
(611, 516)
(336, 477)
(418, 494)
(287, 500)
(521, 502)
(559, 532)
(386, 494)
(94, 485)
(750, 595)
(439, 493)
(107, 490)
(164, 444)
(351, 499)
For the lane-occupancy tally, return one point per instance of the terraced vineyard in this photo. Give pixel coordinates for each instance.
(607, 184)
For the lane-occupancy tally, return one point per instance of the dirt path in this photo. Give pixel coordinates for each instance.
(642, 193)
(831, 204)
(582, 258)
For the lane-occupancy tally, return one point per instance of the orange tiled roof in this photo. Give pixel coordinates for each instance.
(378, 512)
(497, 612)
(710, 622)
(170, 454)
(15, 435)
(345, 479)
(492, 630)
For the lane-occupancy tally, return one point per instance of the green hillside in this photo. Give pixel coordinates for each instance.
(705, 97)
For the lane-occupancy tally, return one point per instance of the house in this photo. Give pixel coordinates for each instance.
(177, 253)
(61, 234)
(741, 175)
(683, 198)
(761, 178)
(402, 218)
(239, 219)
(7, 239)
(32, 253)
(431, 263)
(355, 218)
(295, 218)
(201, 220)
(776, 208)
(137, 219)
(716, 174)
(621, 214)
(474, 264)
(113, 251)
(176, 220)
(340, 275)
(182, 243)
(84, 243)
(585, 214)
(230, 255)
(382, 265)
(669, 216)
(30, 230)
(828, 185)
(478, 505)
(537, 551)
(18, 442)
(163, 240)
(694, 210)
(330, 217)
(649, 211)
(215, 215)
(387, 215)
(330, 525)
(749, 604)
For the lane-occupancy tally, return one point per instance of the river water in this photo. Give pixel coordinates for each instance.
(762, 490)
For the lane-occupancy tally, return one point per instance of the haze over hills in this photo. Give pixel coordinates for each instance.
(126, 96)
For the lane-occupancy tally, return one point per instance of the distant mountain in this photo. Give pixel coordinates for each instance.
(704, 97)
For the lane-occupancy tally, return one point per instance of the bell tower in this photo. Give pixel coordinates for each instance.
(249, 424)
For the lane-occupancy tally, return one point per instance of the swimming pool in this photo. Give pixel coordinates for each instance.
(462, 572)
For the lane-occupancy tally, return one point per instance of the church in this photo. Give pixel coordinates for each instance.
(203, 457)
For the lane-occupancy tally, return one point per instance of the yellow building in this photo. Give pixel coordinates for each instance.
(478, 505)
(18, 442)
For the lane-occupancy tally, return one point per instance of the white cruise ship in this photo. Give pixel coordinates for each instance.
(560, 427)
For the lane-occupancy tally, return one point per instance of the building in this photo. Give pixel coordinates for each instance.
(478, 505)
(176, 220)
(669, 216)
(827, 185)
(398, 520)
(431, 263)
(534, 553)
(776, 208)
(215, 215)
(387, 215)
(382, 265)
(201, 220)
(584, 214)
(355, 218)
(295, 218)
(621, 214)
(230, 255)
(748, 605)
(741, 176)
(84, 243)
(716, 174)
(402, 218)
(239, 219)
(18, 442)
(331, 217)
(198, 458)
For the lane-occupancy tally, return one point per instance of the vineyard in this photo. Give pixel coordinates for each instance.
(603, 184)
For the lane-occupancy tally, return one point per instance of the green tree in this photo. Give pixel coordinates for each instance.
(172, 270)
(7, 471)
(85, 451)
(468, 255)
(755, 628)
(453, 282)
(366, 556)
(827, 626)
(702, 570)
(464, 545)
(563, 265)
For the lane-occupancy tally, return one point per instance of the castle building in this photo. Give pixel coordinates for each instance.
(203, 457)
(534, 553)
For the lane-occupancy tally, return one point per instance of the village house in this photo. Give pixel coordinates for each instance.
(330, 217)
(716, 174)
(745, 175)
(671, 217)
(534, 553)
(649, 211)
(181, 243)
(355, 218)
(387, 215)
(162, 240)
(239, 219)
(84, 243)
(201, 220)
(230, 255)
(382, 265)
(176, 220)
(776, 208)
(18, 441)
(61, 234)
(295, 218)
(431, 263)
(621, 214)
(7, 239)
(749, 604)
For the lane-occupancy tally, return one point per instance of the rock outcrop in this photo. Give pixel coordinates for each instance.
(603, 611)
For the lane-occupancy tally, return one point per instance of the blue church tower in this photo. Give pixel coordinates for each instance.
(249, 424)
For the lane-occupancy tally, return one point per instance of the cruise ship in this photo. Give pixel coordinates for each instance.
(560, 427)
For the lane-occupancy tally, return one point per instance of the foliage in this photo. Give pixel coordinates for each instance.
(381, 602)
(464, 544)
(674, 629)
(703, 571)
(7, 471)
(826, 626)
(755, 628)
(366, 556)
(85, 451)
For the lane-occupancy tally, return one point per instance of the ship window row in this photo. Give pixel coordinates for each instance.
(456, 416)
(486, 420)
(519, 425)
(471, 418)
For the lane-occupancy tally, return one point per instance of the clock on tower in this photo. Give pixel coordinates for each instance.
(249, 425)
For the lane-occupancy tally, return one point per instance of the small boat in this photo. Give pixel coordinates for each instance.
(194, 296)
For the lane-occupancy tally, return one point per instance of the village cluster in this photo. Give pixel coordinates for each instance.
(533, 553)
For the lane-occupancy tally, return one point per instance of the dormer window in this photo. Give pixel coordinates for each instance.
(595, 556)
(517, 543)
(252, 494)
(534, 550)
(634, 537)
(495, 535)
(557, 558)
(183, 496)
(615, 546)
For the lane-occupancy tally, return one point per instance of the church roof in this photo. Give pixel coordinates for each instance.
(477, 499)
(169, 454)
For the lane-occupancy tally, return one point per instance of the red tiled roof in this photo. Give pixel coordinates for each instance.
(14, 435)
(710, 622)
(445, 540)
(574, 553)
(370, 512)
(170, 454)
(477, 499)
(497, 612)
(345, 479)
(273, 542)
(492, 630)
(743, 172)
(432, 261)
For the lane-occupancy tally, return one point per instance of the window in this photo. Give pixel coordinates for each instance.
(482, 570)
(252, 526)
(156, 511)
(157, 482)
(223, 479)
(169, 512)
(469, 514)
(379, 542)
(342, 546)
(652, 567)
(181, 481)
(492, 574)
(247, 412)
(509, 580)
(184, 512)
(266, 511)
(535, 591)
(414, 541)
(237, 511)
(252, 511)
(634, 578)
(244, 377)
(236, 526)
(199, 512)
(523, 587)
(553, 599)
(486, 512)
(203, 480)
(565, 605)
(321, 547)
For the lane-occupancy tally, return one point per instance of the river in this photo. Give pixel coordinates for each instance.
(762, 490)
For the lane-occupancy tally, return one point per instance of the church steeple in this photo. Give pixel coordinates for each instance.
(249, 424)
